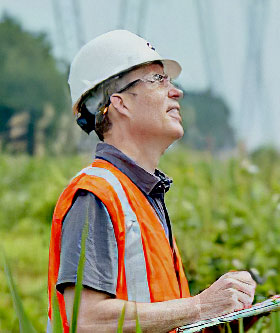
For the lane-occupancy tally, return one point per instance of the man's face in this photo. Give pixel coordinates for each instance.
(154, 108)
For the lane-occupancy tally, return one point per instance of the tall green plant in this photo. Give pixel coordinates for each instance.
(275, 317)
(241, 325)
(138, 327)
(25, 325)
(229, 330)
(79, 284)
(56, 318)
(121, 320)
(122, 317)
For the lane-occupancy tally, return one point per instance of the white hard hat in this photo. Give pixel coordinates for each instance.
(108, 55)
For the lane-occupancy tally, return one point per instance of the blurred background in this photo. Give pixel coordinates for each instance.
(225, 169)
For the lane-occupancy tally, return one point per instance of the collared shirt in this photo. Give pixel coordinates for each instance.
(100, 270)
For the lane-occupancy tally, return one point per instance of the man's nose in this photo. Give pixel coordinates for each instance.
(175, 93)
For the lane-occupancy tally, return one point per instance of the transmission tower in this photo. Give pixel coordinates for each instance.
(69, 27)
(208, 37)
(255, 123)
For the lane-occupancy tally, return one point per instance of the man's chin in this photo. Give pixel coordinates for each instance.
(178, 133)
(174, 136)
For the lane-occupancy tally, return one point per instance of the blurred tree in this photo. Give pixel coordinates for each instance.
(206, 120)
(29, 79)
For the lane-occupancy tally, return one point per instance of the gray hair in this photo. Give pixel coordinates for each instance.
(91, 108)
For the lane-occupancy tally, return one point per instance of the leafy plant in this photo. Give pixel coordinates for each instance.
(240, 326)
(275, 317)
(229, 330)
(24, 323)
(79, 284)
(56, 318)
(121, 320)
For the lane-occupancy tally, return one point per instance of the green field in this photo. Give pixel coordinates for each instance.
(225, 214)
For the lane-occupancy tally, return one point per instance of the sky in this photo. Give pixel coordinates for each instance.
(210, 39)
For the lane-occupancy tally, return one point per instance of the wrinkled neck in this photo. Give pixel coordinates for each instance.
(145, 155)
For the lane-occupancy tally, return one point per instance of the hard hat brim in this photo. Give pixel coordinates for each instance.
(172, 68)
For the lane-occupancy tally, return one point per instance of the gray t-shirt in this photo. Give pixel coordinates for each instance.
(101, 265)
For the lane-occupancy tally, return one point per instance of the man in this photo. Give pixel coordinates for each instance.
(121, 88)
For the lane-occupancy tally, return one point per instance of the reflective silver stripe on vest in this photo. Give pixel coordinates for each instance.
(135, 265)
(82, 171)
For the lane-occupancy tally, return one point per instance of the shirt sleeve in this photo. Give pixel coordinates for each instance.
(101, 264)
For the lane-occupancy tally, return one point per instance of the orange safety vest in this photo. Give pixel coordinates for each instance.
(148, 269)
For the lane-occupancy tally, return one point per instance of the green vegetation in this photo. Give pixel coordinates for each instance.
(29, 73)
(30, 85)
(224, 213)
(29, 190)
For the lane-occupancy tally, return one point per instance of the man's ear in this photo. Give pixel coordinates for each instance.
(119, 104)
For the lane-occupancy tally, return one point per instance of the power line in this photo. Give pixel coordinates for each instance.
(78, 23)
(213, 48)
(59, 27)
(202, 35)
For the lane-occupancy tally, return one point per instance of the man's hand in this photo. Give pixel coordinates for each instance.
(231, 292)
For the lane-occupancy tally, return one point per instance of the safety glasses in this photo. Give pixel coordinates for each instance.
(159, 79)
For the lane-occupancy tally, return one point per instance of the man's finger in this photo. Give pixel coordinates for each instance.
(242, 276)
(241, 286)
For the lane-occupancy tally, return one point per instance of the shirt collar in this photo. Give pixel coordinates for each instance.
(157, 183)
